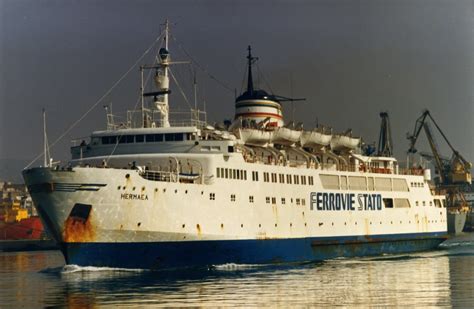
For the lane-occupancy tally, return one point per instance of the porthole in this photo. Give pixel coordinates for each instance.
(156, 189)
(222, 225)
(276, 225)
(241, 225)
(259, 225)
(305, 224)
(291, 224)
(176, 191)
(345, 223)
(118, 188)
(133, 189)
(186, 192)
(127, 176)
(143, 188)
(183, 226)
(139, 223)
(164, 190)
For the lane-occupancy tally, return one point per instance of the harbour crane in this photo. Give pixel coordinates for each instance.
(454, 173)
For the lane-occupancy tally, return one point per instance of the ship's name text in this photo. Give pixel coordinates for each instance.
(129, 196)
(345, 201)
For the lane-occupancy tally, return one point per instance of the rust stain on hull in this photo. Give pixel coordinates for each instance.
(78, 230)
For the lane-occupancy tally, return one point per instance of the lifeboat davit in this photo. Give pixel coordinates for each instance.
(285, 136)
(344, 142)
(315, 139)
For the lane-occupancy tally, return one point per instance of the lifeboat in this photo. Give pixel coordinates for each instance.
(344, 142)
(256, 137)
(285, 136)
(315, 139)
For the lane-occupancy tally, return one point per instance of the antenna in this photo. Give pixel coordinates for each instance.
(46, 155)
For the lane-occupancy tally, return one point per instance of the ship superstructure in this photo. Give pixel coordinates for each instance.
(150, 193)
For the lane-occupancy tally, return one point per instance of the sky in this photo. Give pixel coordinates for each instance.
(349, 59)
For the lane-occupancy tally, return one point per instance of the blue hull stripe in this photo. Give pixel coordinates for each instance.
(159, 255)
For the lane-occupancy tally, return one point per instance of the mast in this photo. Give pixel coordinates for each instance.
(162, 81)
(250, 79)
(45, 142)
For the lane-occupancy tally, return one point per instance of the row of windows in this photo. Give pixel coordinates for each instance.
(289, 179)
(416, 184)
(299, 201)
(231, 173)
(149, 138)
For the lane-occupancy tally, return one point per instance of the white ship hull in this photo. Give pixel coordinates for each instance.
(173, 220)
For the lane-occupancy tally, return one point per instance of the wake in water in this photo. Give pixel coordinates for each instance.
(234, 266)
(70, 269)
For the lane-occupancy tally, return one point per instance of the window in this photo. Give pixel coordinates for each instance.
(238, 174)
(254, 176)
(288, 179)
(234, 173)
(296, 179)
(251, 199)
(281, 178)
(310, 180)
(417, 203)
(388, 202)
(274, 177)
(212, 196)
(245, 175)
(267, 200)
(226, 173)
(232, 197)
(297, 202)
(303, 180)
(266, 177)
(154, 138)
(303, 202)
(424, 203)
(218, 173)
(139, 138)
(109, 140)
(274, 200)
(171, 137)
(283, 201)
(437, 203)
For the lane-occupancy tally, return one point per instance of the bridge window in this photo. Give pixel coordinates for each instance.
(106, 140)
(150, 138)
(139, 138)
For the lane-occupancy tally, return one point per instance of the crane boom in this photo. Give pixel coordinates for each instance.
(458, 171)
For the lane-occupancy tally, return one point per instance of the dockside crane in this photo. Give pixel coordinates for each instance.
(454, 174)
(456, 171)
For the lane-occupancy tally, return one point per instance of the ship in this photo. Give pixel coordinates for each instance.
(158, 193)
(20, 227)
